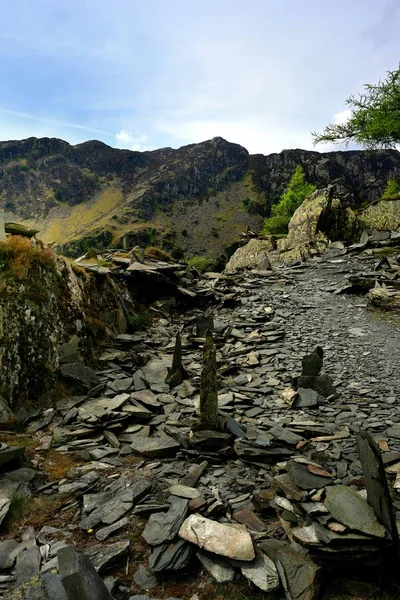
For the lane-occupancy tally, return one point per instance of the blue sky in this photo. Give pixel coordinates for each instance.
(144, 75)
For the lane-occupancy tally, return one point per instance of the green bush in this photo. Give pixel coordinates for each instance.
(392, 189)
(297, 191)
(200, 263)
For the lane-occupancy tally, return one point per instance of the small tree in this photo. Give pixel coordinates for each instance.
(392, 189)
(297, 191)
(375, 117)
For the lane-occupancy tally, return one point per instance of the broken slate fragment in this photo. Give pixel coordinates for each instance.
(80, 374)
(163, 527)
(304, 479)
(79, 577)
(219, 568)
(262, 572)
(155, 447)
(170, 557)
(306, 398)
(349, 508)
(223, 539)
(299, 575)
(116, 507)
(249, 518)
(312, 363)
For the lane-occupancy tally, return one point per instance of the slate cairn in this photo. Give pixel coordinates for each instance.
(175, 436)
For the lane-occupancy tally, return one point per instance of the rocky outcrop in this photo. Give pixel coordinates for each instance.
(250, 255)
(46, 301)
(195, 200)
(321, 218)
(383, 215)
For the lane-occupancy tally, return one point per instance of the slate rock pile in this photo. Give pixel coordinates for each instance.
(279, 494)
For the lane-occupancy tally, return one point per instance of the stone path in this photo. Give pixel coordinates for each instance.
(226, 502)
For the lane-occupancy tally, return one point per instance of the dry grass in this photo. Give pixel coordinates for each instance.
(20, 255)
(28, 511)
(157, 254)
(57, 464)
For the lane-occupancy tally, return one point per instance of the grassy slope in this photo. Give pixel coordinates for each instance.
(212, 223)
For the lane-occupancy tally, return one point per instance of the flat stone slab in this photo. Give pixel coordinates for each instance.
(155, 447)
(262, 572)
(11, 453)
(225, 540)
(349, 508)
(163, 527)
(219, 568)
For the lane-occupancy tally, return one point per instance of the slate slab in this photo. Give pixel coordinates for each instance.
(304, 479)
(218, 567)
(79, 577)
(163, 527)
(349, 508)
(81, 374)
(262, 572)
(170, 557)
(220, 538)
(155, 447)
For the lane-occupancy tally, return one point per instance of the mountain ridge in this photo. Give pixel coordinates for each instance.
(192, 200)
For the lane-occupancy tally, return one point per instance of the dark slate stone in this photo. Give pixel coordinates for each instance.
(312, 363)
(203, 324)
(11, 453)
(144, 579)
(9, 550)
(378, 494)
(304, 479)
(323, 384)
(79, 577)
(234, 428)
(163, 527)
(170, 557)
(80, 374)
(176, 373)
(300, 576)
(306, 398)
(27, 565)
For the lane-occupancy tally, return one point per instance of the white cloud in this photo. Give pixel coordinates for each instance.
(342, 117)
(132, 141)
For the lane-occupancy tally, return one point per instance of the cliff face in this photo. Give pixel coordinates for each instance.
(44, 303)
(194, 200)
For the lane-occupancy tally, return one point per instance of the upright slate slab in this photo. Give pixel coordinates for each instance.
(203, 324)
(208, 384)
(378, 494)
(176, 373)
(79, 577)
(3, 236)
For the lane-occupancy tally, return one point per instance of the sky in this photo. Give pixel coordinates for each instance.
(149, 74)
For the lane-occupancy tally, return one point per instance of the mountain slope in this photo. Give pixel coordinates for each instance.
(194, 200)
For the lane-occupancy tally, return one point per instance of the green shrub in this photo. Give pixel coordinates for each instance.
(200, 263)
(297, 191)
(392, 189)
(137, 321)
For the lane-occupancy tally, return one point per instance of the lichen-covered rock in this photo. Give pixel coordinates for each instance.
(44, 302)
(383, 215)
(319, 219)
(250, 255)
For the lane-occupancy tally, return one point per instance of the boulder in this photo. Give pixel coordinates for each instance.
(250, 255)
(79, 577)
(223, 539)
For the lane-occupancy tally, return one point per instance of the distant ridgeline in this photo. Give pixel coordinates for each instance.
(194, 201)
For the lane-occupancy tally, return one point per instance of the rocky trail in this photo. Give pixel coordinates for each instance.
(274, 501)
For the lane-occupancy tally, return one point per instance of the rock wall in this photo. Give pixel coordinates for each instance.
(44, 303)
